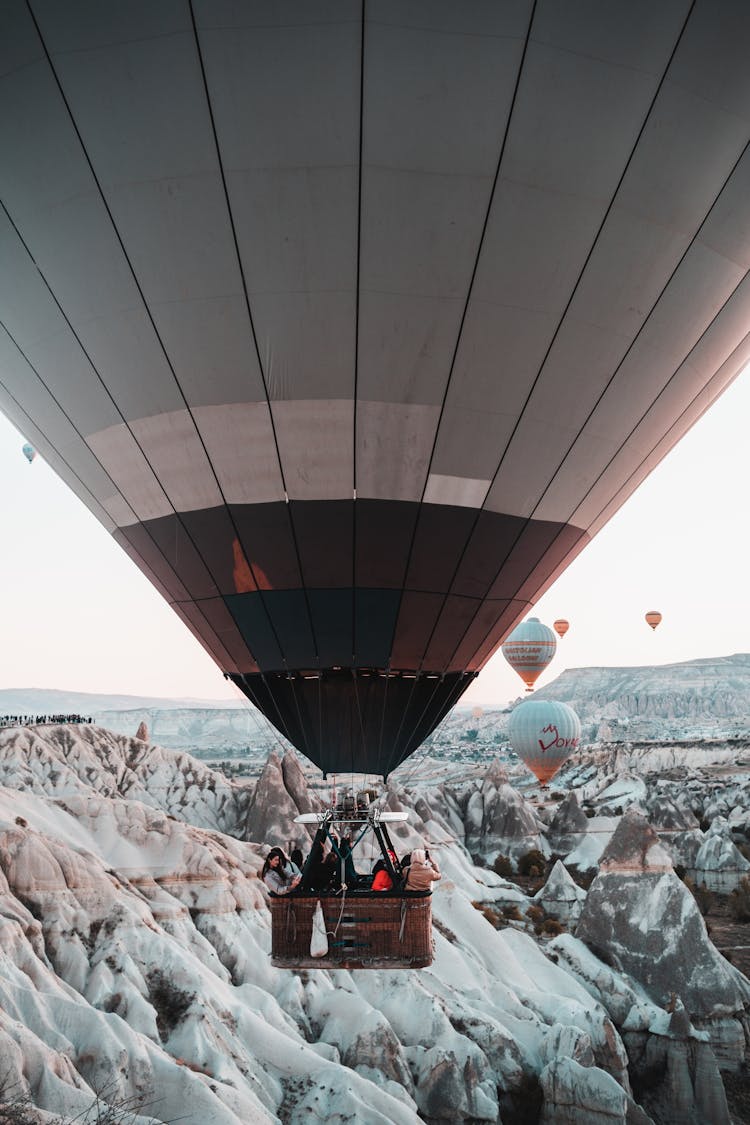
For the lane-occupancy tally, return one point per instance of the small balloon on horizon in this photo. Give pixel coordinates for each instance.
(29, 452)
(653, 617)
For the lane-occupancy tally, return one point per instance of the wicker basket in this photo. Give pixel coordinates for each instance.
(365, 931)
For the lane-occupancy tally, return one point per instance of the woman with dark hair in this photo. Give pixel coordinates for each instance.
(279, 873)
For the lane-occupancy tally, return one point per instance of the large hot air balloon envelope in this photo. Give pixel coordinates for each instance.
(29, 452)
(653, 617)
(529, 649)
(354, 324)
(561, 626)
(544, 734)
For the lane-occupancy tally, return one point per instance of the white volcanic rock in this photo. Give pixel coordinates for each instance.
(719, 864)
(561, 896)
(586, 855)
(711, 696)
(658, 1042)
(130, 983)
(568, 825)
(642, 918)
(620, 795)
(684, 848)
(270, 817)
(579, 1095)
(666, 815)
(57, 760)
(499, 821)
(438, 810)
(692, 1091)
(134, 951)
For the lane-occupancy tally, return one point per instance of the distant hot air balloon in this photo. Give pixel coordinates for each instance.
(544, 734)
(653, 617)
(529, 649)
(29, 452)
(561, 626)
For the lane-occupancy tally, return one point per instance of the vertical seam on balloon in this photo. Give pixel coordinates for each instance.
(575, 549)
(397, 739)
(595, 240)
(243, 279)
(158, 337)
(581, 500)
(480, 245)
(547, 353)
(462, 682)
(378, 770)
(33, 425)
(256, 712)
(359, 237)
(273, 699)
(356, 328)
(451, 368)
(633, 342)
(147, 310)
(171, 600)
(361, 723)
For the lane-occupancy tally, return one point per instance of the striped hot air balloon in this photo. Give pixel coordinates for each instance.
(653, 617)
(529, 649)
(561, 626)
(544, 734)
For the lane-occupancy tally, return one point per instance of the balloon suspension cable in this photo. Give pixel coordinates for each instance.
(419, 757)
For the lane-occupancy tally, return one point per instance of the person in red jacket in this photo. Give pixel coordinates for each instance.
(382, 881)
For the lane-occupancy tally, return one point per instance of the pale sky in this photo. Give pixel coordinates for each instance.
(77, 614)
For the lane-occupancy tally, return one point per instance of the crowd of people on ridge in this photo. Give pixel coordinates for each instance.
(323, 870)
(41, 720)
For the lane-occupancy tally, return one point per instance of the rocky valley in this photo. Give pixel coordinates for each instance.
(134, 960)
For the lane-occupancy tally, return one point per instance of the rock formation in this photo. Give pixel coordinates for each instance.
(280, 795)
(561, 896)
(134, 941)
(568, 826)
(640, 917)
(718, 864)
(498, 821)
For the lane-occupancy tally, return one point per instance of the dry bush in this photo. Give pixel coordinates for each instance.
(503, 867)
(739, 901)
(532, 863)
(511, 912)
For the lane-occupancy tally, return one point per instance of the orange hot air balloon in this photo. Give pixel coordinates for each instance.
(653, 617)
(561, 626)
(529, 649)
